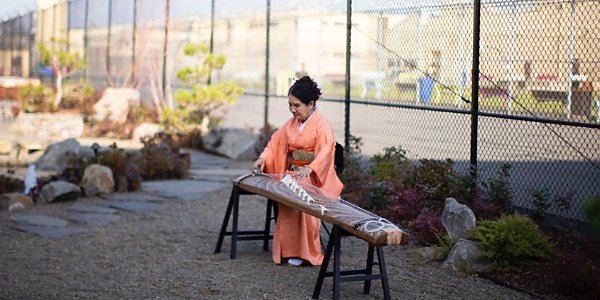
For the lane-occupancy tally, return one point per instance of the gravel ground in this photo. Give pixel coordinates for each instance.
(169, 254)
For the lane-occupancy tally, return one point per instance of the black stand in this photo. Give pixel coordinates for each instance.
(244, 235)
(333, 245)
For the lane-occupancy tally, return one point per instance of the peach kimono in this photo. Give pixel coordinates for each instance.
(297, 233)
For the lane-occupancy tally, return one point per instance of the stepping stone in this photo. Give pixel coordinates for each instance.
(49, 232)
(37, 220)
(134, 206)
(94, 219)
(182, 189)
(201, 160)
(135, 196)
(87, 208)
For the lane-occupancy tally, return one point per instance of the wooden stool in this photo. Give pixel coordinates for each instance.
(339, 276)
(244, 235)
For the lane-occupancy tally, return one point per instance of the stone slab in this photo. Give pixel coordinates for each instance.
(38, 220)
(49, 232)
(88, 208)
(203, 160)
(94, 219)
(135, 196)
(134, 206)
(182, 189)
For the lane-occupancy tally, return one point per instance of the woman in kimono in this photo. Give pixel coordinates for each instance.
(303, 147)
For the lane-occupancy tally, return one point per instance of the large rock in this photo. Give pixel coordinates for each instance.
(235, 143)
(145, 129)
(15, 201)
(56, 157)
(47, 127)
(114, 104)
(57, 191)
(97, 179)
(466, 256)
(458, 219)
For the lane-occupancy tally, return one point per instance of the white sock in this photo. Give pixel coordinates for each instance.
(295, 262)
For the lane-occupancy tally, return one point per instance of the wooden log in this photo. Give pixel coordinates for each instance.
(361, 223)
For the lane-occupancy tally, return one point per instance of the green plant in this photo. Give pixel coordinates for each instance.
(591, 208)
(377, 196)
(443, 244)
(435, 178)
(391, 166)
(116, 160)
(37, 98)
(63, 62)
(76, 94)
(511, 241)
(500, 192)
(195, 106)
(541, 202)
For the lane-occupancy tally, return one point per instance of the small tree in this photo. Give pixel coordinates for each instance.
(63, 63)
(195, 106)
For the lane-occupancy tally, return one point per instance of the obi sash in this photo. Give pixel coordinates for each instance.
(298, 158)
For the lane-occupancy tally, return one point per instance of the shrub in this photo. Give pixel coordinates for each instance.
(591, 208)
(377, 196)
(512, 241)
(391, 166)
(76, 95)
(406, 204)
(37, 98)
(427, 226)
(116, 159)
(500, 193)
(436, 179)
(541, 202)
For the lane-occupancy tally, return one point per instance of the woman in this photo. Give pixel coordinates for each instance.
(304, 147)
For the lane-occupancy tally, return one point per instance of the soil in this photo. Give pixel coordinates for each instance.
(574, 273)
(170, 254)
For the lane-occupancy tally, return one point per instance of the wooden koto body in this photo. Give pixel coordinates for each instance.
(361, 223)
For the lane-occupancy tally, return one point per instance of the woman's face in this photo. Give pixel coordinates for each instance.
(300, 110)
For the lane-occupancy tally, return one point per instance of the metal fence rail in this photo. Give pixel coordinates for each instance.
(395, 73)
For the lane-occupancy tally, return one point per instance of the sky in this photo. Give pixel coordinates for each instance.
(11, 8)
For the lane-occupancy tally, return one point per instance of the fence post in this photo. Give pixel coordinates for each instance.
(31, 39)
(85, 41)
(133, 40)
(68, 26)
(348, 85)
(165, 53)
(212, 34)
(475, 87)
(267, 53)
(108, 75)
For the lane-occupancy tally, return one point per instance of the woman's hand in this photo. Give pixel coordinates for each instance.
(304, 172)
(258, 165)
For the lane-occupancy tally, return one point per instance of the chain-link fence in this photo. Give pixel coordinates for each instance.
(411, 67)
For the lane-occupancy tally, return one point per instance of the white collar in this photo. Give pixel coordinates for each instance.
(304, 123)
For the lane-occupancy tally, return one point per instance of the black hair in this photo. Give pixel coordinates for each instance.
(305, 89)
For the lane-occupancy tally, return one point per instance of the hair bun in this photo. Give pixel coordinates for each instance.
(305, 89)
(306, 79)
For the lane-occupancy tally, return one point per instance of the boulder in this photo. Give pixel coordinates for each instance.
(14, 201)
(145, 129)
(466, 257)
(97, 179)
(458, 219)
(235, 143)
(57, 191)
(114, 104)
(56, 157)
